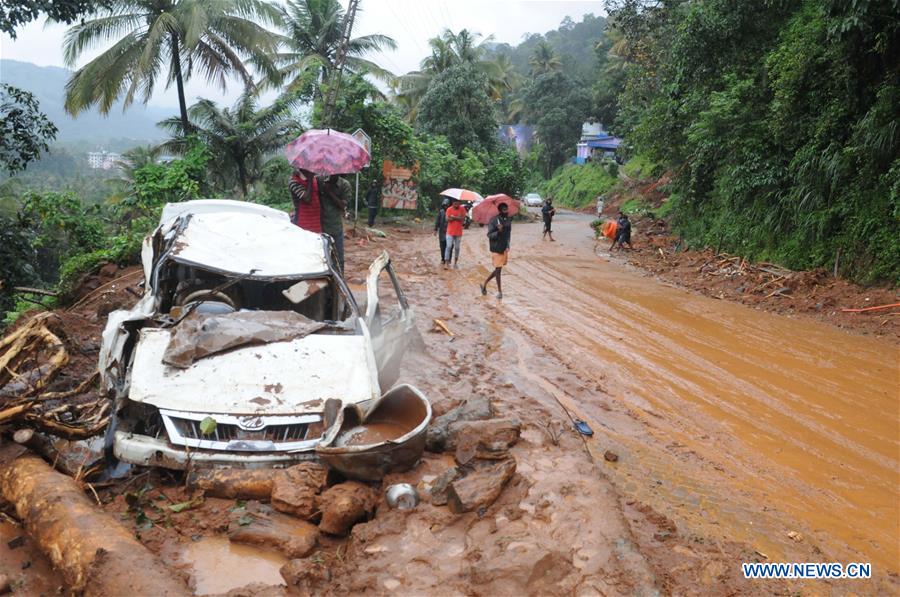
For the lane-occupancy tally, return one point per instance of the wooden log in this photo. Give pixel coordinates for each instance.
(249, 484)
(92, 550)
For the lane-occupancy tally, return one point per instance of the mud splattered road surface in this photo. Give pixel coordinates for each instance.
(741, 435)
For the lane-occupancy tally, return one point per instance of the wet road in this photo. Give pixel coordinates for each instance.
(736, 423)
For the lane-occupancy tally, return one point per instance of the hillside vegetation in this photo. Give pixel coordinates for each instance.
(578, 186)
(780, 122)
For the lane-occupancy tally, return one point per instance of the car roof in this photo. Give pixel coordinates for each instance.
(197, 206)
(248, 243)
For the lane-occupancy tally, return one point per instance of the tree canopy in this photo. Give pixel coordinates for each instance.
(24, 131)
(457, 107)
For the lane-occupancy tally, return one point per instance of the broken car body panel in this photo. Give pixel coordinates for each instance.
(266, 398)
(388, 437)
(276, 378)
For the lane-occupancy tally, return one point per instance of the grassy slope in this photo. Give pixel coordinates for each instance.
(578, 186)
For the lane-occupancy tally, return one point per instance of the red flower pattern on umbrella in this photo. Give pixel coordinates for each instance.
(326, 151)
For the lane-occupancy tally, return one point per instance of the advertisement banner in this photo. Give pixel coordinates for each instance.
(399, 189)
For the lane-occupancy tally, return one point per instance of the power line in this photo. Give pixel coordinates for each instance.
(403, 24)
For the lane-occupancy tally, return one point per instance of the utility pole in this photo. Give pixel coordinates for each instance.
(335, 83)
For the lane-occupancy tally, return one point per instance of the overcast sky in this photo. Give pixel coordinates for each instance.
(410, 22)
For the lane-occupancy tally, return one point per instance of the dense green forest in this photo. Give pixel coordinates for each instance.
(777, 122)
(780, 121)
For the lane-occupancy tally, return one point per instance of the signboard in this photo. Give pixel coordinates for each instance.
(398, 190)
(363, 139)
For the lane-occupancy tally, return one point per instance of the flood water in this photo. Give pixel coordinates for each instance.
(744, 424)
(216, 565)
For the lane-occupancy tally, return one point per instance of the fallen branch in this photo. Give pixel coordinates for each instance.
(867, 309)
(103, 288)
(41, 291)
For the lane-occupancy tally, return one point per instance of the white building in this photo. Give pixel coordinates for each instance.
(102, 160)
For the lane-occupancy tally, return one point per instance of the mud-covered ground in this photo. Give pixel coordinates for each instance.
(741, 436)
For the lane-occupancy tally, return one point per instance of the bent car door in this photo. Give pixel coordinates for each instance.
(390, 320)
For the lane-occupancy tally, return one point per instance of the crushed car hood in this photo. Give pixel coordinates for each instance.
(279, 378)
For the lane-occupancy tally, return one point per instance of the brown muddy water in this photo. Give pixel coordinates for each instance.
(373, 433)
(217, 565)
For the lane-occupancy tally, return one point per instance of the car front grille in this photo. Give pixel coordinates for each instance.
(244, 433)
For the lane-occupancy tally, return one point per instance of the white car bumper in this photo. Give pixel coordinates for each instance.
(148, 451)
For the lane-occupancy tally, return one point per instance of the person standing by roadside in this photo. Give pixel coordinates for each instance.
(623, 233)
(335, 196)
(456, 215)
(547, 212)
(304, 190)
(499, 233)
(440, 228)
(373, 198)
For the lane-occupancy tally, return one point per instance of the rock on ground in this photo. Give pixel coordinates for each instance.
(293, 538)
(294, 492)
(479, 488)
(344, 505)
(490, 439)
(303, 575)
(441, 486)
(474, 409)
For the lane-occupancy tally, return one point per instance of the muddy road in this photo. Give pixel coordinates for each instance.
(742, 435)
(723, 435)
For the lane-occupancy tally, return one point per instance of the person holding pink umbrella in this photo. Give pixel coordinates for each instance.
(499, 233)
(304, 190)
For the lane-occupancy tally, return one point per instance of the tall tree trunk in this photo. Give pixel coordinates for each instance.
(179, 83)
(242, 174)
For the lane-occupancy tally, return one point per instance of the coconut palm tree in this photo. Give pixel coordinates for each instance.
(170, 38)
(312, 31)
(241, 139)
(544, 60)
(447, 51)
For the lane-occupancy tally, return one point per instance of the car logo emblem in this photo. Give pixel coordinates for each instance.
(251, 423)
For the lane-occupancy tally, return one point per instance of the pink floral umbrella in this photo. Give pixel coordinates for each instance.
(327, 151)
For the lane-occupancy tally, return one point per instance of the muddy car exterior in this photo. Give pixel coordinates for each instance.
(245, 329)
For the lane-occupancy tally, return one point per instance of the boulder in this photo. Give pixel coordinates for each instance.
(490, 439)
(294, 492)
(480, 487)
(293, 538)
(304, 576)
(474, 409)
(344, 505)
(441, 486)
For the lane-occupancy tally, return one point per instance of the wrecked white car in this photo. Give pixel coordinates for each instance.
(245, 329)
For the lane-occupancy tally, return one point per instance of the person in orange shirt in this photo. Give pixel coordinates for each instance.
(456, 215)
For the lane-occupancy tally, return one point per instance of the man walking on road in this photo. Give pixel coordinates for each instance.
(499, 233)
(547, 212)
(440, 228)
(373, 196)
(335, 193)
(456, 215)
